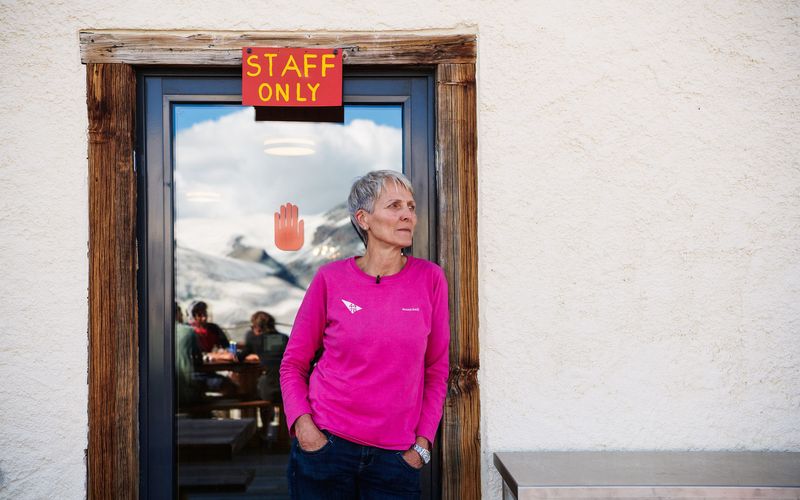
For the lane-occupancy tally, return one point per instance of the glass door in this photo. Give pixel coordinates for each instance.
(236, 216)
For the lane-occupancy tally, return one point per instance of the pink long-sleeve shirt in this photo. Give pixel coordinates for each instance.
(382, 378)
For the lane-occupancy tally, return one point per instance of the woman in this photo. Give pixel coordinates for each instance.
(366, 417)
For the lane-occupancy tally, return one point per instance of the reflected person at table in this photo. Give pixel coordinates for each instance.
(213, 344)
(187, 359)
(264, 344)
(210, 337)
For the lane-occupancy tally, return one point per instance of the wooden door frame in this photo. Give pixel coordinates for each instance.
(111, 57)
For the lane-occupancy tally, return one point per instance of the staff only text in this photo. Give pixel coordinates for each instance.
(291, 77)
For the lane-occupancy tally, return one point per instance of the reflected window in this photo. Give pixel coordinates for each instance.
(259, 207)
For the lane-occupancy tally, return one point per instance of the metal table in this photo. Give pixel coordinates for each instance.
(633, 474)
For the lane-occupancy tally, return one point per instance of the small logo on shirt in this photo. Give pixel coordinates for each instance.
(410, 309)
(351, 307)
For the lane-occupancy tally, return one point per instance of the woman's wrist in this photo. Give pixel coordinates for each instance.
(420, 452)
(303, 422)
(423, 442)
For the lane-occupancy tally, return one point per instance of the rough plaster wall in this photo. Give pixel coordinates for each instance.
(639, 212)
(650, 299)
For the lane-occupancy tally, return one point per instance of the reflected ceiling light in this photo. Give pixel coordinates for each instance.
(289, 147)
(203, 196)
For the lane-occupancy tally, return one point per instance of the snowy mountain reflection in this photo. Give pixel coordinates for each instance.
(245, 277)
(227, 190)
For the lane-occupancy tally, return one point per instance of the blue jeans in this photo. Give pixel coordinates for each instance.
(343, 470)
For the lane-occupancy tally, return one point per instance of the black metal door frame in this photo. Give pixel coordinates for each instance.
(157, 90)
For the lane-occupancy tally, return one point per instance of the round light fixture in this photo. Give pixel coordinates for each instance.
(203, 196)
(289, 147)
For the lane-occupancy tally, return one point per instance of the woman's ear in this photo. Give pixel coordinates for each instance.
(361, 217)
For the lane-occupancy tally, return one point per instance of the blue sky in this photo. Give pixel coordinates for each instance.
(187, 115)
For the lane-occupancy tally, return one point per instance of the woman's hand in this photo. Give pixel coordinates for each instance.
(309, 437)
(252, 358)
(413, 459)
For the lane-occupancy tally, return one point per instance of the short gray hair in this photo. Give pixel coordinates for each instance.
(366, 189)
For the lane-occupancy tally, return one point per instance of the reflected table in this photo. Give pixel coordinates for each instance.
(246, 375)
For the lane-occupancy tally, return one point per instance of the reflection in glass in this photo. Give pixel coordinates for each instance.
(231, 175)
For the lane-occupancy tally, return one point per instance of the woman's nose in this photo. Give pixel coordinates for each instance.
(408, 214)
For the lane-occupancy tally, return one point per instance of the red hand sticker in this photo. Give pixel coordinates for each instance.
(288, 228)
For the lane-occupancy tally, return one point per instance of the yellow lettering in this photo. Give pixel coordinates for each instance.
(281, 90)
(261, 92)
(291, 64)
(326, 65)
(313, 89)
(306, 64)
(253, 64)
(270, 57)
(300, 98)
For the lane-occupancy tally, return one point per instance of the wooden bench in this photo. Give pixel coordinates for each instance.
(634, 474)
(249, 408)
(201, 439)
(202, 479)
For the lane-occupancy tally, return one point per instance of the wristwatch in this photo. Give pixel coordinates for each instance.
(425, 454)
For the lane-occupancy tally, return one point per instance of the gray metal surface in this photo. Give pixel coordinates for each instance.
(530, 475)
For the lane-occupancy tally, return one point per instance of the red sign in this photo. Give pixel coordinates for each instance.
(291, 77)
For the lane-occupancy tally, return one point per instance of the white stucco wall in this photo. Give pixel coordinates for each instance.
(639, 232)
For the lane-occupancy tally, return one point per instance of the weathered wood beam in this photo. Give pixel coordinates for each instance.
(223, 48)
(113, 456)
(456, 156)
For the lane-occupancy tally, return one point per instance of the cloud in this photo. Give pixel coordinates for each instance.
(226, 156)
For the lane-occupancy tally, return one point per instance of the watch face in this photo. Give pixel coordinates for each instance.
(425, 454)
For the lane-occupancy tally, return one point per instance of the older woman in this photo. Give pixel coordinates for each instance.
(365, 418)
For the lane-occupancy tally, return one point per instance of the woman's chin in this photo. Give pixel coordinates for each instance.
(401, 244)
(405, 239)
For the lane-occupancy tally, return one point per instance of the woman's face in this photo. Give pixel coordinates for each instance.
(393, 217)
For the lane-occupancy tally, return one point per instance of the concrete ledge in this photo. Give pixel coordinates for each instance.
(635, 474)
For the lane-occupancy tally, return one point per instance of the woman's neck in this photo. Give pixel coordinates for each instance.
(382, 261)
